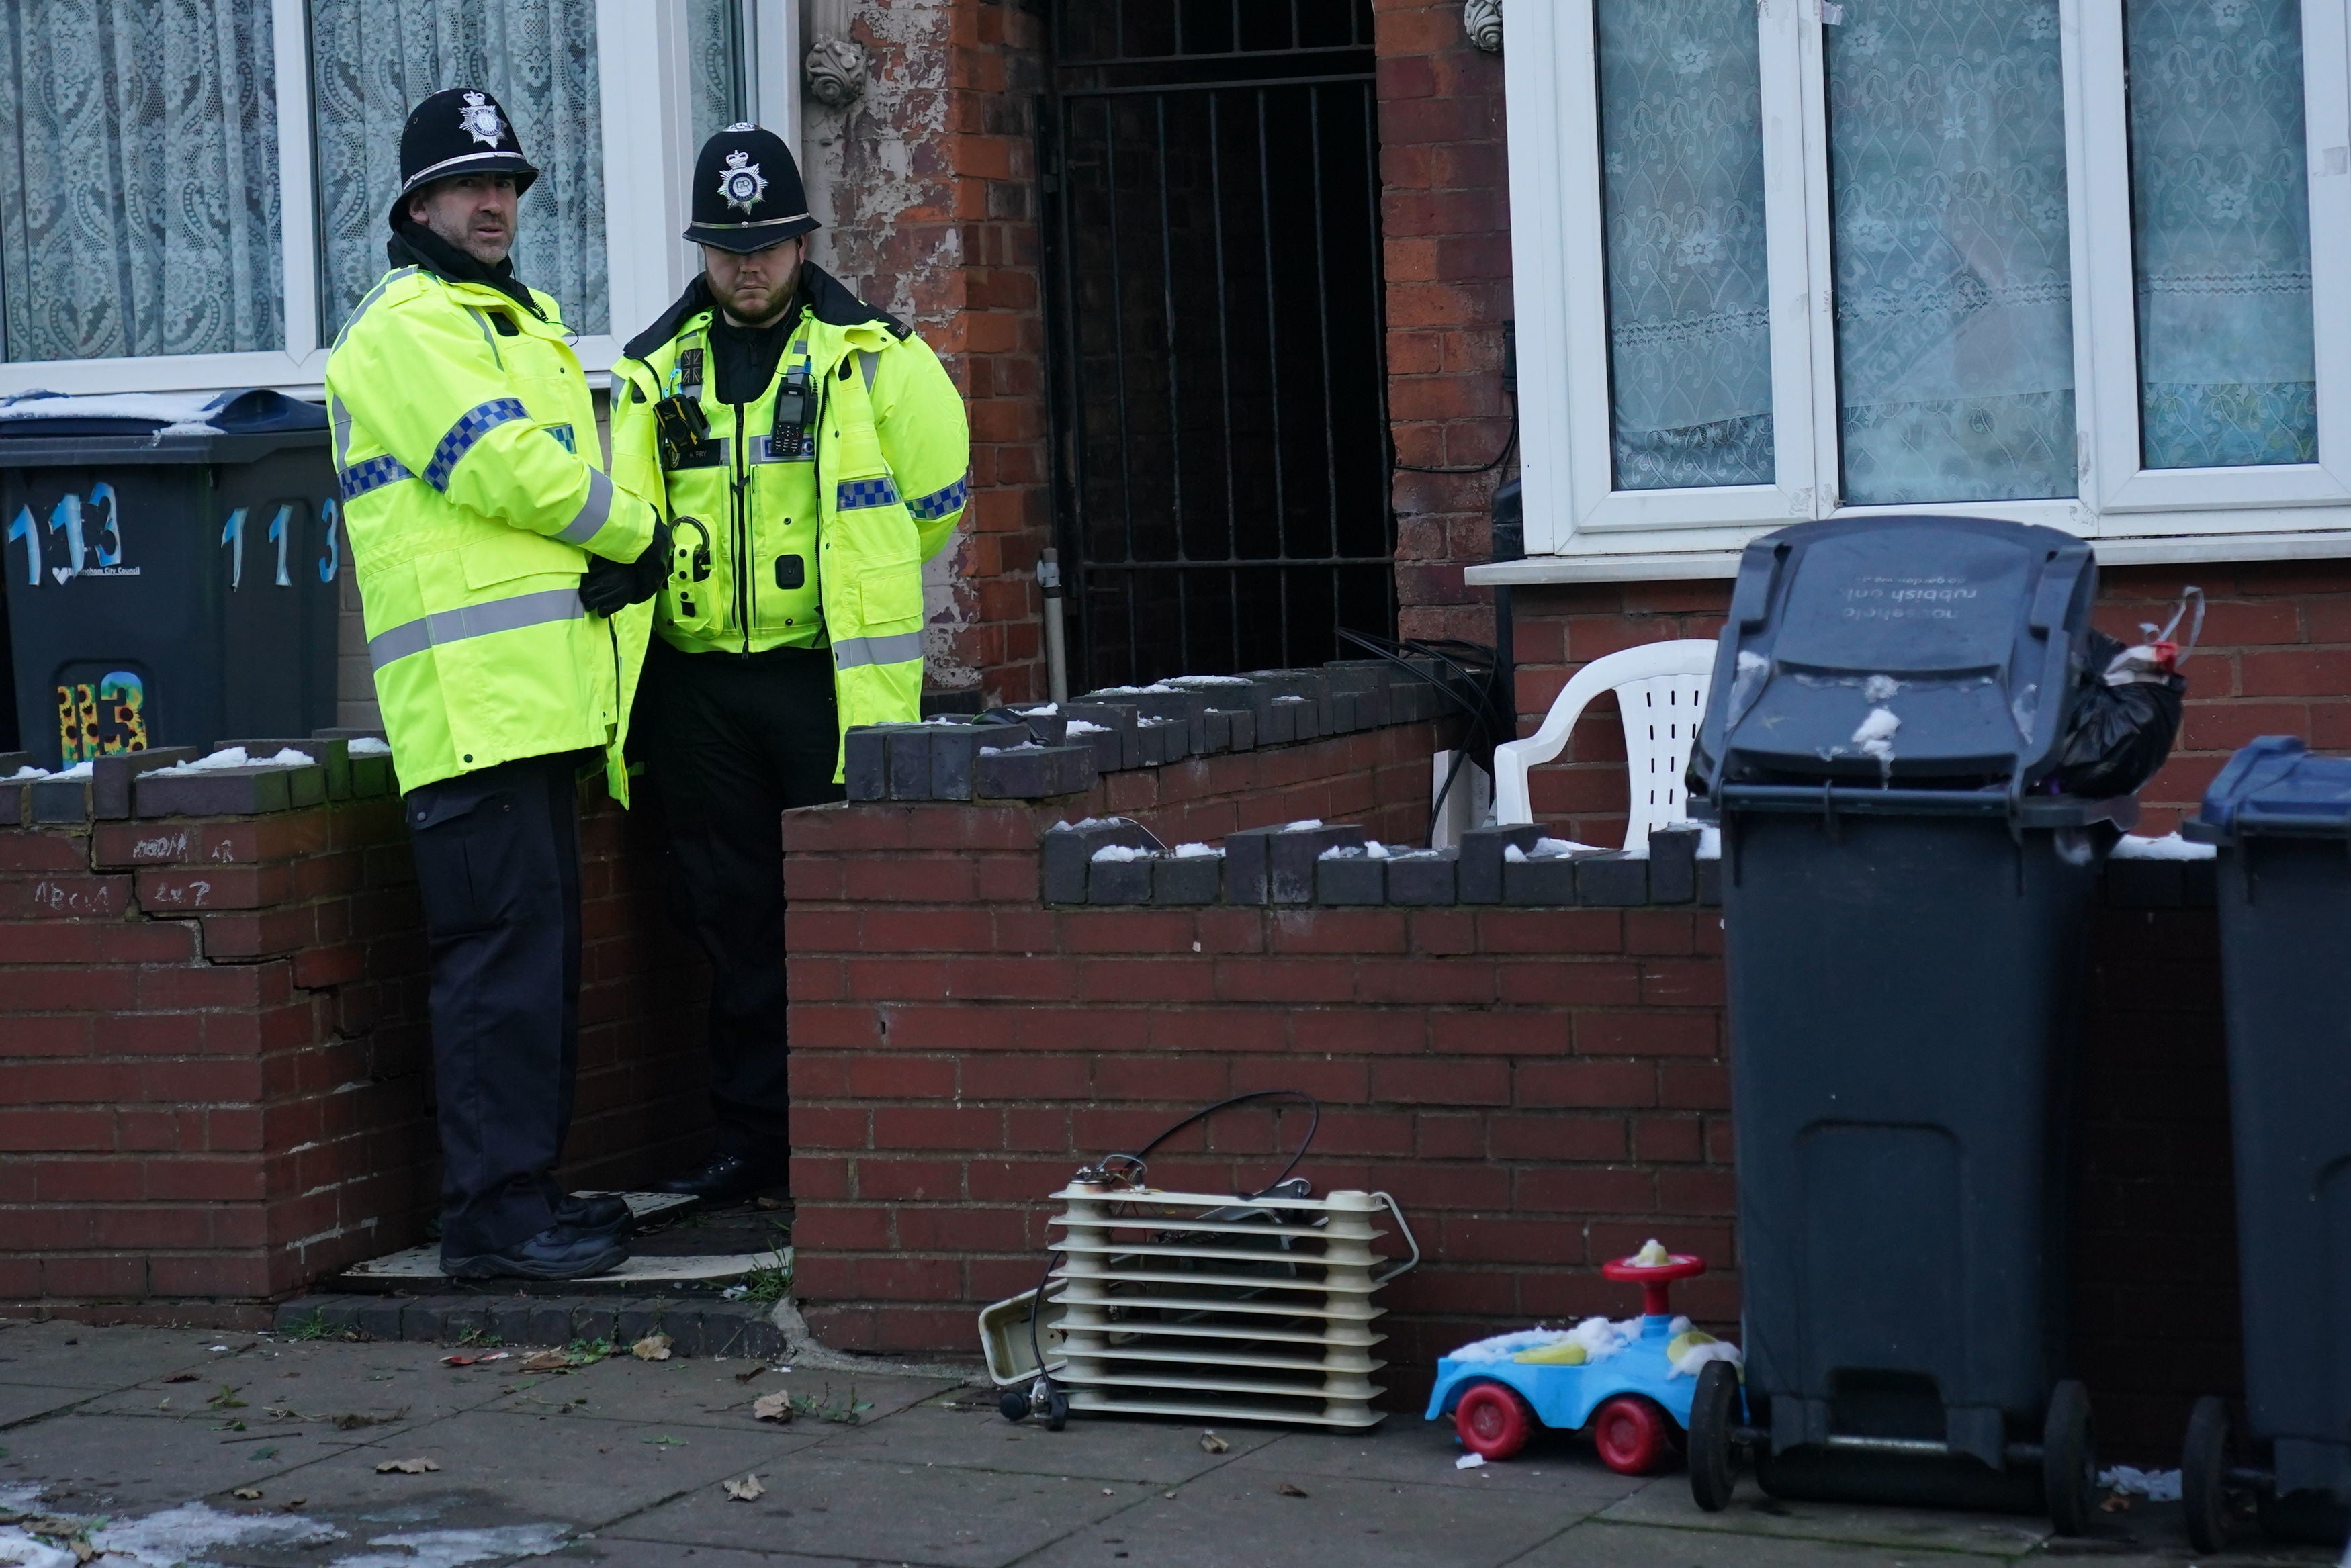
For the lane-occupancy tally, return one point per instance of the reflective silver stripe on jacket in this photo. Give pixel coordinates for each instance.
(474, 620)
(592, 511)
(856, 652)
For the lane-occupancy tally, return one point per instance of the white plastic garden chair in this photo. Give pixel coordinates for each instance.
(1661, 691)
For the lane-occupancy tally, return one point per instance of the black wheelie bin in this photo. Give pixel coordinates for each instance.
(1906, 906)
(170, 568)
(2282, 819)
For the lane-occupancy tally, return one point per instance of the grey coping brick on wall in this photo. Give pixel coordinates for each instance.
(1119, 718)
(331, 752)
(1368, 680)
(1162, 701)
(11, 762)
(1188, 878)
(909, 747)
(1344, 878)
(1291, 853)
(1423, 877)
(1276, 724)
(1311, 687)
(1344, 712)
(1709, 882)
(1615, 878)
(110, 777)
(1031, 772)
(954, 751)
(1673, 863)
(1119, 881)
(1067, 848)
(865, 762)
(228, 792)
(16, 803)
(378, 1318)
(372, 778)
(60, 800)
(1549, 879)
(1050, 729)
(1241, 725)
(1164, 741)
(1249, 864)
(1481, 860)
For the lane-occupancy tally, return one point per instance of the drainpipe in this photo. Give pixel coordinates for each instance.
(1057, 646)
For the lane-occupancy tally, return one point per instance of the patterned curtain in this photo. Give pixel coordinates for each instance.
(2221, 215)
(1682, 168)
(714, 46)
(139, 179)
(373, 59)
(1954, 297)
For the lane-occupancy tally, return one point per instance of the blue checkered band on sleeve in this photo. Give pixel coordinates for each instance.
(374, 474)
(477, 423)
(858, 493)
(944, 502)
(563, 434)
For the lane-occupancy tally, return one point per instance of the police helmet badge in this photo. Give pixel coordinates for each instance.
(741, 183)
(481, 120)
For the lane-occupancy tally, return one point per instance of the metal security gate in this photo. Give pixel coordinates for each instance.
(1210, 171)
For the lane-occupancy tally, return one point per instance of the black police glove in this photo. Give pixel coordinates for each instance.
(610, 586)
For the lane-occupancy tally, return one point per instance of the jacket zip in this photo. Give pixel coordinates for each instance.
(745, 589)
(816, 524)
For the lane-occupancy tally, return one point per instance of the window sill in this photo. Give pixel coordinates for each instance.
(1644, 567)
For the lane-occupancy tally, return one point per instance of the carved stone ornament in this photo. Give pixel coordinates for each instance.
(836, 72)
(1482, 20)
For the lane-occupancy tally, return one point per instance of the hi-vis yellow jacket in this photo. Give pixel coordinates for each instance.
(809, 536)
(465, 440)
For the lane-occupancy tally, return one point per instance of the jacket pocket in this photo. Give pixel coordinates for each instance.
(492, 562)
(465, 842)
(888, 594)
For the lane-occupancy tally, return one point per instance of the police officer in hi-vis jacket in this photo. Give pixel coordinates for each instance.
(498, 566)
(809, 453)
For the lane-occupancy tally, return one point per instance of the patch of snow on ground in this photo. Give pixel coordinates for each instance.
(2170, 846)
(457, 1548)
(19, 1550)
(2156, 1486)
(167, 1539)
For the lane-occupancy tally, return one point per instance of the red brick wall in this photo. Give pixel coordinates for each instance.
(214, 1062)
(1445, 218)
(2275, 660)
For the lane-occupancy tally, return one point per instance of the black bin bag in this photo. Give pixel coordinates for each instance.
(1906, 899)
(2122, 726)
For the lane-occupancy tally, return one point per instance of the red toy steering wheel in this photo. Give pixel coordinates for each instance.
(1654, 1279)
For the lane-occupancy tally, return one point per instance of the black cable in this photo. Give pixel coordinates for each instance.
(1510, 445)
(1315, 1123)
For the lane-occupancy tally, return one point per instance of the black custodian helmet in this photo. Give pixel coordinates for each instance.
(746, 191)
(457, 130)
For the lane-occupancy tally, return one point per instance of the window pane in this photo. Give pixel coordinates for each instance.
(1954, 314)
(714, 47)
(139, 179)
(2221, 215)
(373, 59)
(1682, 179)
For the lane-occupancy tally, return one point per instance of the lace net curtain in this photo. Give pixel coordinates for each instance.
(138, 179)
(373, 59)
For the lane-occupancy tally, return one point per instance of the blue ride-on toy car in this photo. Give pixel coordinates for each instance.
(1629, 1385)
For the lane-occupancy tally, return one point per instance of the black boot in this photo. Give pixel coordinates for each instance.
(727, 1177)
(562, 1251)
(596, 1211)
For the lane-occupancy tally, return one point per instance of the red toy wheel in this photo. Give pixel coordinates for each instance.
(1632, 1435)
(1493, 1421)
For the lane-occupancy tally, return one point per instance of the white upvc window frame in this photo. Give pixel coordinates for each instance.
(648, 146)
(1579, 526)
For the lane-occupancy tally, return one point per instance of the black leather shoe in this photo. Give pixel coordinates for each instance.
(562, 1251)
(726, 1179)
(599, 1211)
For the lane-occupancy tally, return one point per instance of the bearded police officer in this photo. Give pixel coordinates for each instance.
(809, 454)
(497, 565)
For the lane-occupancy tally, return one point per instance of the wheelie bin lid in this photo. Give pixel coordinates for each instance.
(2274, 787)
(46, 430)
(1896, 663)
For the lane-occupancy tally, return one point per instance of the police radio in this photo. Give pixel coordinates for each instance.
(683, 429)
(795, 411)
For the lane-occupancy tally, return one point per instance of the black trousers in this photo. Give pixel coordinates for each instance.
(730, 743)
(497, 864)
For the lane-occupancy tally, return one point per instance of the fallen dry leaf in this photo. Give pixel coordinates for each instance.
(291, 1503)
(776, 1406)
(546, 1361)
(746, 1490)
(406, 1466)
(83, 1551)
(352, 1420)
(182, 1378)
(653, 1347)
(1286, 1490)
(757, 1368)
(250, 1493)
(474, 1360)
(1212, 1444)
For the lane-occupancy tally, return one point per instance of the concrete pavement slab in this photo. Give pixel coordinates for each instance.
(1598, 1544)
(1161, 1452)
(114, 1464)
(820, 1502)
(23, 1401)
(61, 1354)
(1233, 1519)
(1666, 1500)
(370, 1389)
(582, 1474)
(706, 1393)
(1421, 1454)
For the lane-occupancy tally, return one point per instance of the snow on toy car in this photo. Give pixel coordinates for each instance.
(1627, 1384)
